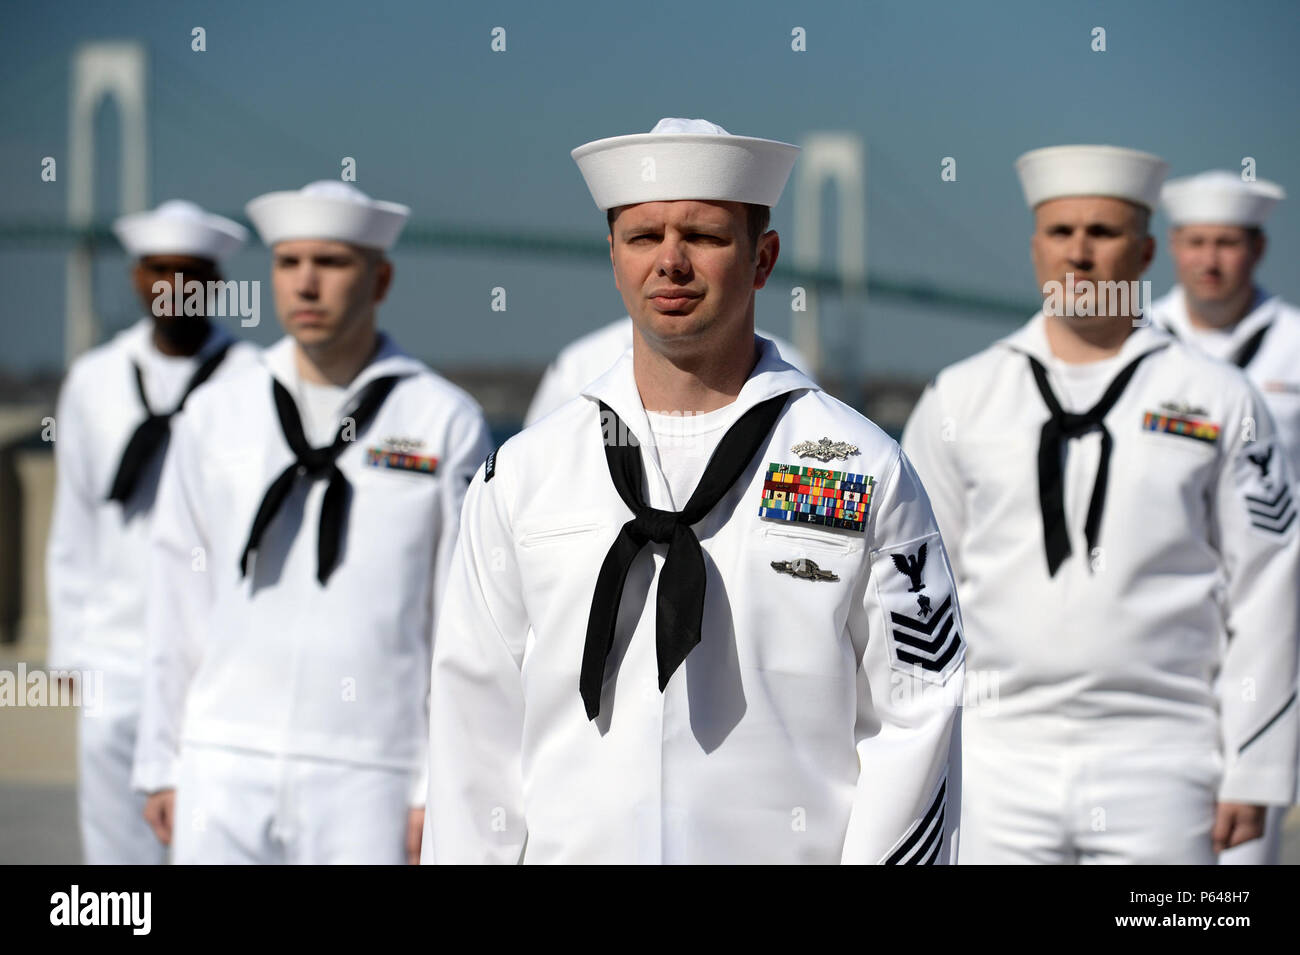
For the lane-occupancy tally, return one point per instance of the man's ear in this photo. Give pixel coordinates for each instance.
(383, 279)
(610, 239)
(143, 281)
(1261, 246)
(1148, 251)
(769, 249)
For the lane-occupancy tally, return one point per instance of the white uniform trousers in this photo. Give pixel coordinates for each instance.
(242, 807)
(1039, 804)
(111, 815)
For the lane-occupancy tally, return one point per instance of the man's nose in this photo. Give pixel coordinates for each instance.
(672, 258)
(1079, 252)
(307, 281)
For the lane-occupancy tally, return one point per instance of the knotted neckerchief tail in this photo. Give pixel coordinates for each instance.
(1246, 353)
(316, 464)
(679, 604)
(1057, 431)
(153, 430)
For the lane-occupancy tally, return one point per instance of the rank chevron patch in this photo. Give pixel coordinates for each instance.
(930, 645)
(921, 615)
(1266, 487)
(1274, 515)
(921, 844)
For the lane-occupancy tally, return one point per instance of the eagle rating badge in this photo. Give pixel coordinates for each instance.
(924, 632)
(1270, 505)
(803, 495)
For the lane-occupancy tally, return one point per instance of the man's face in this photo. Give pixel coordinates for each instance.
(1098, 238)
(1215, 262)
(324, 288)
(152, 269)
(687, 266)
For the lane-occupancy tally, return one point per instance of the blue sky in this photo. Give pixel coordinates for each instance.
(470, 137)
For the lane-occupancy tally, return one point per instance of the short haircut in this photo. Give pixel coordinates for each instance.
(757, 219)
(1143, 219)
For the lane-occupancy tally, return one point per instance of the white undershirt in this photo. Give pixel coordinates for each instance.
(165, 377)
(1216, 342)
(685, 443)
(1080, 385)
(319, 407)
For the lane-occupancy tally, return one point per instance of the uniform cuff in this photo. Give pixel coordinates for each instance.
(151, 777)
(1259, 787)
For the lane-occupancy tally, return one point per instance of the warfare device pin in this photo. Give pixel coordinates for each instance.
(825, 449)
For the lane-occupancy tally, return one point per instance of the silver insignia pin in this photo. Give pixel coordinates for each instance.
(403, 445)
(825, 449)
(1181, 407)
(804, 569)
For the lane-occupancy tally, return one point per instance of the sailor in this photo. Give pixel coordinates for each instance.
(583, 360)
(112, 425)
(1120, 520)
(701, 612)
(1217, 241)
(303, 526)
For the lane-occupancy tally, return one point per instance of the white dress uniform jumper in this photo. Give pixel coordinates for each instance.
(113, 420)
(298, 570)
(1265, 344)
(766, 671)
(1126, 552)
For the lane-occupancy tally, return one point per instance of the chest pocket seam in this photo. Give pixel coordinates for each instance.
(554, 535)
(367, 473)
(839, 545)
(1186, 446)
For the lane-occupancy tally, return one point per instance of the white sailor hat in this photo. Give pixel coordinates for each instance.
(1060, 171)
(178, 227)
(328, 209)
(685, 159)
(1220, 198)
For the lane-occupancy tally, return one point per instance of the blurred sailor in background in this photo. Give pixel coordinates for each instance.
(1119, 515)
(1217, 241)
(304, 523)
(112, 426)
